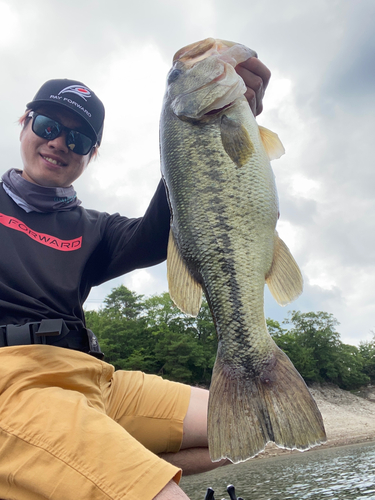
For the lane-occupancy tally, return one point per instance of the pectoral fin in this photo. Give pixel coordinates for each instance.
(284, 279)
(271, 143)
(236, 141)
(184, 290)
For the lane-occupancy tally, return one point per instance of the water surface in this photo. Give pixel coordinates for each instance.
(329, 473)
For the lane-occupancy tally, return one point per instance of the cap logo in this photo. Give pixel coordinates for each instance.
(80, 90)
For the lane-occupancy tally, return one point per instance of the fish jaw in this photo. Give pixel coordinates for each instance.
(203, 78)
(232, 52)
(220, 93)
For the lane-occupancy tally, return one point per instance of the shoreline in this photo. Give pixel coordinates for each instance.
(272, 451)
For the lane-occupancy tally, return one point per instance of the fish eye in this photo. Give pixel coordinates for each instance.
(174, 75)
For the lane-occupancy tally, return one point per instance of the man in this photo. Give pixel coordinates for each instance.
(69, 425)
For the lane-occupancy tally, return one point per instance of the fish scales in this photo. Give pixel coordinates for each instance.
(224, 210)
(227, 205)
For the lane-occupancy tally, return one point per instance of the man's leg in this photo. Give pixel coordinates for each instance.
(194, 456)
(195, 421)
(168, 418)
(56, 440)
(171, 492)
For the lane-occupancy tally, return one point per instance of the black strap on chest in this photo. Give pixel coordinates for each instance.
(50, 332)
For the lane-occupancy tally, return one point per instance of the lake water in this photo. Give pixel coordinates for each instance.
(333, 473)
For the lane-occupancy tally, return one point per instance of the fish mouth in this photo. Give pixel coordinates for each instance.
(214, 95)
(230, 52)
(218, 110)
(222, 102)
(197, 50)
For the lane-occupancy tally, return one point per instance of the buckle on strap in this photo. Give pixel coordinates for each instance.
(18, 334)
(32, 333)
(52, 327)
(51, 332)
(94, 347)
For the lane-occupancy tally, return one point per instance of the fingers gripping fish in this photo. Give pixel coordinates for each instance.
(223, 199)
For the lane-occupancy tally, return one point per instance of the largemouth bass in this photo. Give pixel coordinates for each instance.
(224, 208)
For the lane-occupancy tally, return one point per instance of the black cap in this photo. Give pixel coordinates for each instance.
(76, 97)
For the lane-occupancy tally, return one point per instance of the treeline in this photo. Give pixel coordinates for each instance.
(152, 335)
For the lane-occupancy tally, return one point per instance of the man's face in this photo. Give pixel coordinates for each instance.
(52, 163)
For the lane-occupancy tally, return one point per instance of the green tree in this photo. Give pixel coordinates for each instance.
(121, 302)
(274, 328)
(315, 332)
(184, 344)
(325, 356)
(367, 351)
(154, 336)
(205, 332)
(351, 373)
(122, 331)
(300, 355)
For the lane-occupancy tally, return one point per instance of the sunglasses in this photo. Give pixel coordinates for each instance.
(49, 129)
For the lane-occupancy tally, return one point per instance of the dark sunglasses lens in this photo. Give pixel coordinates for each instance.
(79, 143)
(50, 129)
(46, 127)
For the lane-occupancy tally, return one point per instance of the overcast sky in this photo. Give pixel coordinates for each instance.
(321, 103)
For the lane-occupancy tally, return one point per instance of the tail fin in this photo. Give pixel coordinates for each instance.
(245, 412)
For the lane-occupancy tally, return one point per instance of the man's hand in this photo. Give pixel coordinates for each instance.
(256, 77)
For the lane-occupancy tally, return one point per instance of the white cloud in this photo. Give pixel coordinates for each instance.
(320, 102)
(307, 188)
(9, 26)
(139, 280)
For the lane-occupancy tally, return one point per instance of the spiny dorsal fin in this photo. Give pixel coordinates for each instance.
(271, 143)
(184, 290)
(236, 141)
(284, 279)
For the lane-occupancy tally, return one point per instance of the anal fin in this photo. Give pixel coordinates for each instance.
(284, 279)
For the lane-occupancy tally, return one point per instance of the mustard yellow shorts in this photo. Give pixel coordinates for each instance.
(73, 428)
